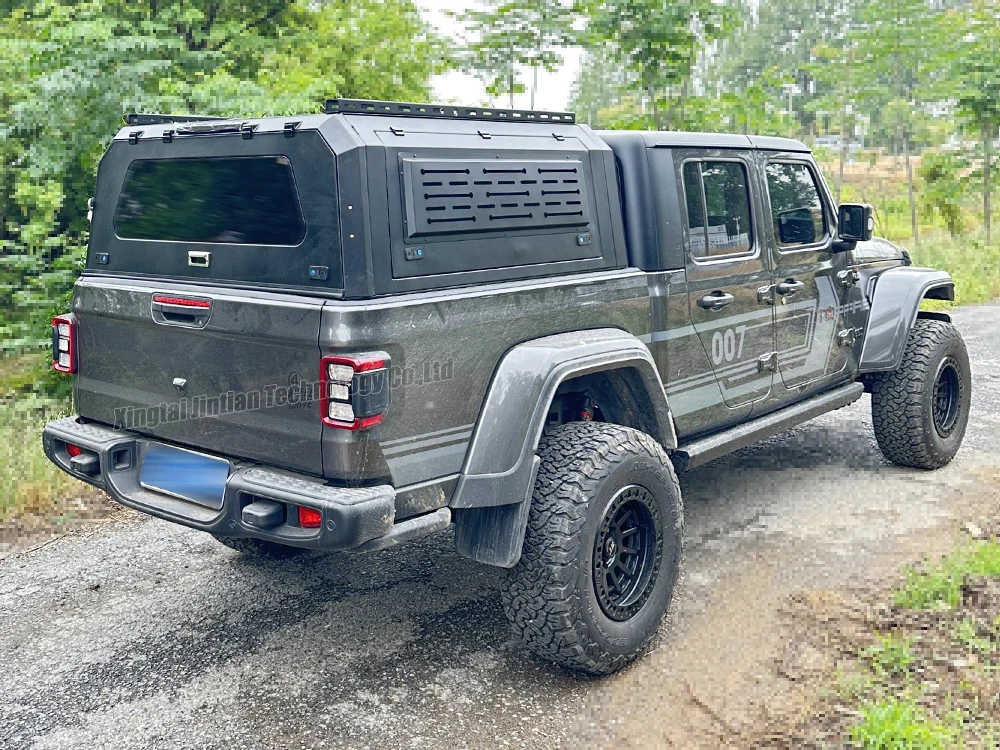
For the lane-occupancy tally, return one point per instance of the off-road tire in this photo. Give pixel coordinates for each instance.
(260, 547)
(904, 412)
(550, 596)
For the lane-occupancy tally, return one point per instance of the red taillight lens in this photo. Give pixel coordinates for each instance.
(310, 518)
(73, 450)
(355, 390)
(64, 343)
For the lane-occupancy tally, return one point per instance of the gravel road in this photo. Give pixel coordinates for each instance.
(140, 634)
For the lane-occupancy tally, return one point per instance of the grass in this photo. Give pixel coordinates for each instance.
(890, 655)
(974, 265)
(29, 483)
(941, 585)
(899, 724)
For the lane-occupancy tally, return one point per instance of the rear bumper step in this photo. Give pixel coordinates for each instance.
(352, 518)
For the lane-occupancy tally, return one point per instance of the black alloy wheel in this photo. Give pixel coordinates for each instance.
(627, 552)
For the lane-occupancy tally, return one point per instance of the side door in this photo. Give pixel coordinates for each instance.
(807, 295)
(726, 267)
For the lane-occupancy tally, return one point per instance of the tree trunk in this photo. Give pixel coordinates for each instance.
(534, 84)
(909, 187)
(987, 137)
(657, 115)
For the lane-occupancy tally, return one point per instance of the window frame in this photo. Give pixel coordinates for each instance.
(709, 260)
(824, 202)
(295, 192)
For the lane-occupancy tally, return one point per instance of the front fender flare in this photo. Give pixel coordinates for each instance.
(895, 302)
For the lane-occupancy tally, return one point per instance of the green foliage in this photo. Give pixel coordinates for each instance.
(944, 190)
(28, 481)
(71, 70)
(941, 585)
(971, 262)
(901, 725)
(890, 655)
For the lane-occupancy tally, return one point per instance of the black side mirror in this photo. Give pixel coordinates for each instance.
(856, 222)
(796, 227)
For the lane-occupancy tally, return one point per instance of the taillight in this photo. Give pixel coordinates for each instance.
(355, 390)
(64, 343)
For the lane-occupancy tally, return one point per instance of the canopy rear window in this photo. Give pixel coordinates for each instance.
(248, 200)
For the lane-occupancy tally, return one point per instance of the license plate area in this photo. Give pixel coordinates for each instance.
(185, 474)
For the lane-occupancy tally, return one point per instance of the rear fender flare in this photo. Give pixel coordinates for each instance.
(895, 305)
(494, 490)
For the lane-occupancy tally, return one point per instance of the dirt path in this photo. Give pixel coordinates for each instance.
(141, 634)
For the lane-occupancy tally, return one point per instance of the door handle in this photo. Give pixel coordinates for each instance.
(788, 288)
(716, 301)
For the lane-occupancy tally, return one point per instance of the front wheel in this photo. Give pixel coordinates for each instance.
(920, 410)
(602, 548)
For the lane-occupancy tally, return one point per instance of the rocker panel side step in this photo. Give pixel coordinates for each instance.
(703, 450)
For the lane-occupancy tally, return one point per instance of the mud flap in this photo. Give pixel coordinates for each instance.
(494, 535)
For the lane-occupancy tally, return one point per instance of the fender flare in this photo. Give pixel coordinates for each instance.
(494, 489)
(895, 304)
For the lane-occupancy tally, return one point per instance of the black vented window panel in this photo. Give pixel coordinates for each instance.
(459, 196)
(249, 200)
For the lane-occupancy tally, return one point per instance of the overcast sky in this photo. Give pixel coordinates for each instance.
(460, 88)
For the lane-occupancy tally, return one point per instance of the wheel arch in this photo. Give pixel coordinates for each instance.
(494, 490)
(895, 305)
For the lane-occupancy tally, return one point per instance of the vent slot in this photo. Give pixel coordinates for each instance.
(491, 184)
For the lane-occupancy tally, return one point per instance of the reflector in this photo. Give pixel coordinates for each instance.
(310, 518)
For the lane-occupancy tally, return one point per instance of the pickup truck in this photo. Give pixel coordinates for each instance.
(347, 330)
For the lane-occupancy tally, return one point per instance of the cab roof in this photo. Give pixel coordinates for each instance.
(678, 139)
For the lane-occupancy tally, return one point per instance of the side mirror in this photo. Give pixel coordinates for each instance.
(856, 223)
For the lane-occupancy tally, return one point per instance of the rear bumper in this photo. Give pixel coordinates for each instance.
(351, 517)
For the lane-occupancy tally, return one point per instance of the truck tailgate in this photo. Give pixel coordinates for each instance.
(236, 378)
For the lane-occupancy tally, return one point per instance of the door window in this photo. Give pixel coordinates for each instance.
(718, 208)
(796, 208)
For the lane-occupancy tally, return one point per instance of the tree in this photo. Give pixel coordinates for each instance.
(975, 68)
(896, 51)
(659, 43)
(514, 34)
(71, 70)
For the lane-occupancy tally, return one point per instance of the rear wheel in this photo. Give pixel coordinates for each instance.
(920, 410)
(602, 548)
(260, 547)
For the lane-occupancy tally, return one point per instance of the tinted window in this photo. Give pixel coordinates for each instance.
(796, 208)
(244, 201)
(720, 223)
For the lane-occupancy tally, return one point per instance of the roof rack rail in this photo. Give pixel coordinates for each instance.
(442, 111)
(142, 119)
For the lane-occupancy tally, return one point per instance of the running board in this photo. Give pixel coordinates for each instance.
(706, 449)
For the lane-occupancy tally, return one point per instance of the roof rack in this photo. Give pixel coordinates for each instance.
(442, 111)
(140, 119)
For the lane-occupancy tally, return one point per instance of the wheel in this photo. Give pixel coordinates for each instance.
(260, 547)
(920, 410)
(602, 548)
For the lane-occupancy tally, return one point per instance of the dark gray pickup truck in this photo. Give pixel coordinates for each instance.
(348, 330)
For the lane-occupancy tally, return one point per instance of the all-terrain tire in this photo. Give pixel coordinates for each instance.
(260, 547)
(920, 410)
(588, 469)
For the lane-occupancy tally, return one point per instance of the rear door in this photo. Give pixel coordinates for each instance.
(725, 270)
